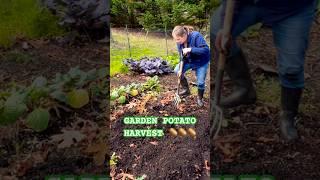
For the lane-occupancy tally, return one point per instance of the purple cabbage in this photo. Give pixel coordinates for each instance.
(149, 66)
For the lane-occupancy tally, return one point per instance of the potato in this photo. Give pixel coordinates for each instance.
(182, 132)
(173, 132)
(192, 132)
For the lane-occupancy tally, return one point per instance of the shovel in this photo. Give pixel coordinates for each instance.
(218, 111)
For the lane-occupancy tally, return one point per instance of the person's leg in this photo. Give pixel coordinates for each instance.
(201, 74)
(236, 64)
(184, 82)
(291, 40)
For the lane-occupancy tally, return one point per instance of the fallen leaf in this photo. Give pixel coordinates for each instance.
(267, 68)
(99, 150)
(225, 150)
(197, 167)
(141, 108)
(232, 138)
(124, 176)
(23, 166)
(134, 165)
(181, 107)
(154, 143)
(39, 156)
(84, 125)
(112, 171)
(229, 145)
(167, 98)
(67, 138)
(161, 112)
(116, 114)
(87, 127)
(132, 145)
(131, 104)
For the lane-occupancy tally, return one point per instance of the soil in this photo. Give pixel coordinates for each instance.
(251, 143)
(171, 157)
(20, 145)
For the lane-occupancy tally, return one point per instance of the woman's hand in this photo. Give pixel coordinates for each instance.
(223, 42)
(186, 51)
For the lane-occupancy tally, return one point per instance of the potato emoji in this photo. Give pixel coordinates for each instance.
(182, 132)
(173, 132)
(192, 133)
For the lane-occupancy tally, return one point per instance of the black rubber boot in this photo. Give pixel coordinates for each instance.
(200, 97)
(243, 91)
(185, 91)
(290, 99)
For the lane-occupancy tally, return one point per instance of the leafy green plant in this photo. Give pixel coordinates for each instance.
(13, 107)
(123, 94)
(35, 101)
(38, 119)
(78, 98)
(173, 60)
(113, 159)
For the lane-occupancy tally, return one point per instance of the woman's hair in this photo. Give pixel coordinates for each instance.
(182, 30)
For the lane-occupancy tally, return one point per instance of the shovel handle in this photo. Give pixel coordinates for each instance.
(180, 74)
(226, 31)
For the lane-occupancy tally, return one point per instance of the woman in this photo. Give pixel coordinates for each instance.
(195, 53)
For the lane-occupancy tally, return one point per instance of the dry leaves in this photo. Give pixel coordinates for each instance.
(132, 104)
(67, 138)
(266, 140)
(181, 108)
(229, 145)
(22, 167)
(124, 176)
(133, 145)
(87, 127)
(33, 159)
(116, 114)
(154, 143)
(99, 152)
(167, 98)
(141, 107)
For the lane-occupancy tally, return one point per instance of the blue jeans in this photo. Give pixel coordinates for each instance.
(201, 73)
(290, 35)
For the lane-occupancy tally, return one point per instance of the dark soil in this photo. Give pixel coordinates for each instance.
(48, 57)
(18, 143)
(171, 157)
(252, 137)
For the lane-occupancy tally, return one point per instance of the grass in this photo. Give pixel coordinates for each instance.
(141, 46)
(25, 19)
(269, 92)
